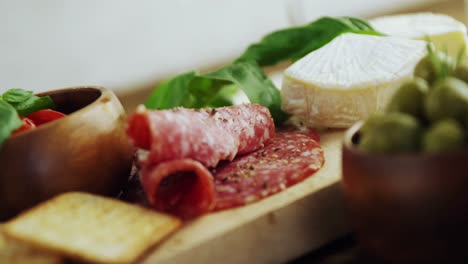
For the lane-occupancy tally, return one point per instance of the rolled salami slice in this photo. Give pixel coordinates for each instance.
(187, 189)
(205, 135)
(248, 162)
(181, 187)
(288, 159)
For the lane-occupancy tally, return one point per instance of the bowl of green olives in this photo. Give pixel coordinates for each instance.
(405, 171)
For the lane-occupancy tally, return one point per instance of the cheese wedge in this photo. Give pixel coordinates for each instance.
(444, 31)
(348, 79)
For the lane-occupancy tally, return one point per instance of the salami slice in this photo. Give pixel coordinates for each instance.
(214, 159)
(181, 187)
(188, 189)
(204, 135)
(288, 159)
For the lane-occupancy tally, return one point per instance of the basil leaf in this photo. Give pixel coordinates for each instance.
(10, 120)
(33, 104)
(171, 93)
(255, 84)
(16, 95)
(296, 42)
(204, 91)
(224, 97)
(199, 90)
(357, 24)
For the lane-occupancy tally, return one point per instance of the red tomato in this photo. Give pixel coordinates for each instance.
(139, 131)
(28, 124)
(43, 116)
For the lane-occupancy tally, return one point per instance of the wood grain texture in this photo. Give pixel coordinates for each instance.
(274, 230)
(85, 151)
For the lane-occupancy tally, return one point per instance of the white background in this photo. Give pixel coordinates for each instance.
(122, 44)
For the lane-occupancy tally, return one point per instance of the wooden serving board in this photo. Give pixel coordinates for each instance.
(277, 229)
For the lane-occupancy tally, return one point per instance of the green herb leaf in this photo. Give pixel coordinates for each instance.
(294, 43)
(16, 95)
(199, 90)
(16, 102)
(171, 93)
(9, 119)
(33, 104)
(224, 96)
(255, 84)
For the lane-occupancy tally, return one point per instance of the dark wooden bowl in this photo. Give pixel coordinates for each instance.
(407, 208)
(85, 151)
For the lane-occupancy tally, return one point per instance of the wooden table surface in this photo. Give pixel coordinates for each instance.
(276, 229)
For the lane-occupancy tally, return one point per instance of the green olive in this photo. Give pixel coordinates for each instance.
(447, 99)
(427, 66)
(461, 71)
(390, 133)
(442, 136)
(425, 70)
(409, 98)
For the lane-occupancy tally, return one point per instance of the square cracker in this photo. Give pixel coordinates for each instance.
(92, 228)
(12, 251)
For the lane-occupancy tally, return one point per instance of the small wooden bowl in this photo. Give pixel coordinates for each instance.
(407, 208)
(85, 151)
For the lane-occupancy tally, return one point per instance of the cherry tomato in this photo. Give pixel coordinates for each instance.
(43, 116)
(139, 131)
(28, 124)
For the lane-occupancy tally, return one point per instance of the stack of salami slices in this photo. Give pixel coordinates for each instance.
(201, 160)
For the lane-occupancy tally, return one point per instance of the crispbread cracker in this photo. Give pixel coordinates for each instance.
(92, 228)
(12, 251)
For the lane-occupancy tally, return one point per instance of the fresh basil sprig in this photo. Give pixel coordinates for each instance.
(9, 120)
(16, 95)
(15, 103)
(296, 42)
(33, 104)
(194, 90)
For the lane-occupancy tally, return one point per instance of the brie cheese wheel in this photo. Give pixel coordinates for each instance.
(444, 31)
(348, 79)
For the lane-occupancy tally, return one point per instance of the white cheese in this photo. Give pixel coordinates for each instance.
(348, 79)
(444, 31)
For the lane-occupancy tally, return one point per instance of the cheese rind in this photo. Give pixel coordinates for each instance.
(334, 108)
(349, 78)
(445, 32)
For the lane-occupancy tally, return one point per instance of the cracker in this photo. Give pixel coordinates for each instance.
(92, 228)
(12, 251)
